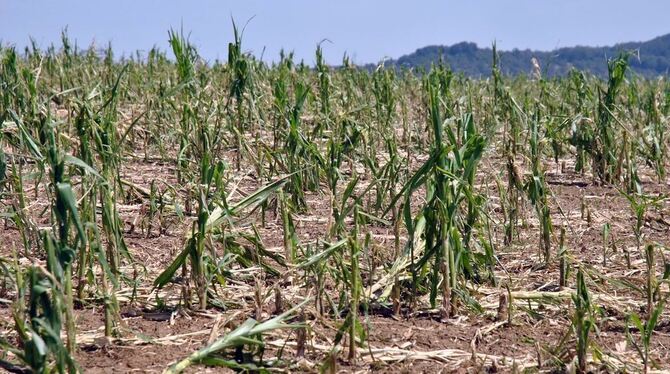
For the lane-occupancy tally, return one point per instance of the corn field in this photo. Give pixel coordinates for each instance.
(161, 213)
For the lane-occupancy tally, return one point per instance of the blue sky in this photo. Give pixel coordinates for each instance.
(367, 30)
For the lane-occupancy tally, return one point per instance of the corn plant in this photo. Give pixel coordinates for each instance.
(654, 138)
(316, 263)
(18, 209)
(290, 237)
(240, 67)
(50, 289)
(582, 320)
(449, 177)
(3, 162)
(538, 191)
(298, 148)
(213, 215)
(639, 204)
(603, 148)
(564, 262)
(41, 348)
(607, 229)
(325, 91)
(355, 286)
(186, 56)
(98, 187)
(582, 132)
(646, 331)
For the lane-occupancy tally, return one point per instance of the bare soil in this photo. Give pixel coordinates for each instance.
(156, 337)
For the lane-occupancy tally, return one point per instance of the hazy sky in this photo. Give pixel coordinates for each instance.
(367, 30)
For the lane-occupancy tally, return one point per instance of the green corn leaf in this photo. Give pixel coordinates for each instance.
(34, 149)
(653, 321)
(66, 193)
(167, 274)
(322, 255)
(69, 159)
(243, 335)
(219, 215)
